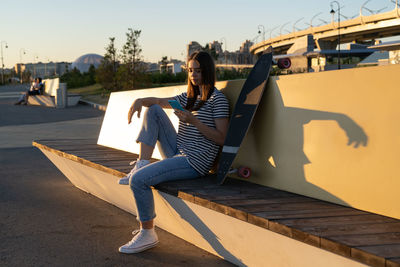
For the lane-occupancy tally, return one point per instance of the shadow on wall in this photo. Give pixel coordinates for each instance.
(274, 147)
(212, 239)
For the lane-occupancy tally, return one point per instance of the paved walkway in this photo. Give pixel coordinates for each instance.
(45, 220)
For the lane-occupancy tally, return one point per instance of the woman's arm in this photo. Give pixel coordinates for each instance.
(217, 135)
(147, 102)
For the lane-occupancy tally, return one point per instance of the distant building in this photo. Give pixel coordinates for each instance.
(172, 66)
(193, 47)
(217, 46)
(375, 59)
(152, 67)
(244, 56)
(43, 70)
(239, 57)
(84, 62)
(394, 51)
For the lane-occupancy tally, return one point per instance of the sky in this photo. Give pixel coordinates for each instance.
(55, 30)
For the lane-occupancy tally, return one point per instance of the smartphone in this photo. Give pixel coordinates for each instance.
(175, 104)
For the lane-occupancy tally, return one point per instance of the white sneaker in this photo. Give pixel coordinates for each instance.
(138, 164)
(143, 240)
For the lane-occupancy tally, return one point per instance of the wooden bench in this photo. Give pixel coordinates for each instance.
(245, 223)
(360, 236)
(54, 95)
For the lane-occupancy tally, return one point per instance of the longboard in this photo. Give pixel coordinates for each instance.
(243, 114)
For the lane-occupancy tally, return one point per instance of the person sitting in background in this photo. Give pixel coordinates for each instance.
(36, 88)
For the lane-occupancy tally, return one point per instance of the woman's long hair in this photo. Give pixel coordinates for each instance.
(207, 67)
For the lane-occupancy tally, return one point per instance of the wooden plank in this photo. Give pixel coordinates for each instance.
(368, 239)
(386, 251)
(80, 160)
(317, 213)
(286, 206)
(368, 258)
(353, 229)
(339, 220)
(335, 247)
(238, 214)
(393, 262)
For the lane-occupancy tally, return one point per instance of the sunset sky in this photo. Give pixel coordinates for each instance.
(53, 30)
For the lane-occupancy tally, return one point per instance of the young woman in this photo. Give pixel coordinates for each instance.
(188, 154)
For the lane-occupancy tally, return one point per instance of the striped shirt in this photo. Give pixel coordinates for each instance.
(200, 151)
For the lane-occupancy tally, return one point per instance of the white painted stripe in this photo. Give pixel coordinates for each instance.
(10, 95)
(230, 149)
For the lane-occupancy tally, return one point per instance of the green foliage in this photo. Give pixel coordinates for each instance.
(232, 74)
(106, 72)
(166, 77)
(126, 70)
(132, 69)
(75, 78)
(163, 64)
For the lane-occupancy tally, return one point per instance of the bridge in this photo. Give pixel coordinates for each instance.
(362, 30)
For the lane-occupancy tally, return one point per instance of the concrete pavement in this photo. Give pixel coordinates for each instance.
(45, 220)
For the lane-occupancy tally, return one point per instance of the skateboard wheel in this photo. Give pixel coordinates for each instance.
(244, 172)
(284, 63)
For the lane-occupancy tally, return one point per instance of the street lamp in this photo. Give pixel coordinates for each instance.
(294, 24)
(2, 61)
(280, 30)
(22, 50)
(223, 38)
(263, 31)
(34, 65)
(46, 61)
(316, 15)
(270, 32)
(333, 13)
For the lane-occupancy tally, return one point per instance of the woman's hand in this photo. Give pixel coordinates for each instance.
(185, 116)
(136, 107)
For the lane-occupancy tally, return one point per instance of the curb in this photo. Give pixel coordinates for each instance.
(94, 105)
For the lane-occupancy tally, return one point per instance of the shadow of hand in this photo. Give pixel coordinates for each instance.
(354, 132)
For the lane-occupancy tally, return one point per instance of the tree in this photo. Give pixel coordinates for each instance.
(163, 64)
(106, 72)
(131, 70)
(211, 50)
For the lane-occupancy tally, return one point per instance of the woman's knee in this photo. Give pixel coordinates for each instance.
(137, 182)
(153, 110)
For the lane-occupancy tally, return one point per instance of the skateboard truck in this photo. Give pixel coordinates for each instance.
(243, 172)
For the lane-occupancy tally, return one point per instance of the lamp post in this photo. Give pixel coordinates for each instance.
(22, 50)
(316, 15)
(46, 61)
(270, 32)
(294, 24)
(34, 67)
(280, 30)
(263, 31)
(2, 61)
(333, 13)
(223, 41)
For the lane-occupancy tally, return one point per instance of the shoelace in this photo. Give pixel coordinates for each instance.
(132, 163)
(136, 237)
(134, 232)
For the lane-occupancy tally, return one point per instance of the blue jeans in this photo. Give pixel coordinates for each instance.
(174, 166)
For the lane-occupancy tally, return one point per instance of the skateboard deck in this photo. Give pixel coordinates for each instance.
(243, 114)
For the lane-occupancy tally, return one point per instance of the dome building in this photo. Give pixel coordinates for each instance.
(83, 63)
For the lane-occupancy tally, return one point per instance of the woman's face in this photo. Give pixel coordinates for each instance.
(194, 72)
